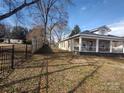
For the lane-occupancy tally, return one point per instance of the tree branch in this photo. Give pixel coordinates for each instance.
(3, 16)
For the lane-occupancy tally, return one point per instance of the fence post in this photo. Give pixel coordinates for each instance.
(12, 65)
(26, 51)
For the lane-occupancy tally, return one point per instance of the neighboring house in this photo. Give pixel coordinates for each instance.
(36, 32)
(13, 41)
(37, 37)
(94, 41)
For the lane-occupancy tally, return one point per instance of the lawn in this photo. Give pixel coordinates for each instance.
(63, 72)
(6, 51)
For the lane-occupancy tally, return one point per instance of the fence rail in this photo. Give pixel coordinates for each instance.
(12, 56)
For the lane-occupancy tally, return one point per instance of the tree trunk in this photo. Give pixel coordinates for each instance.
(50, 38)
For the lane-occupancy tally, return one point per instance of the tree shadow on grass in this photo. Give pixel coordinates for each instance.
(37, 78)
(84, 80)
(26, 65)
(26, 84)
(35, 87)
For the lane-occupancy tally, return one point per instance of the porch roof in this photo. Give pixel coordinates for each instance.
(87, 34)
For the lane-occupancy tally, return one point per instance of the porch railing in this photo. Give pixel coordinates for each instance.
(76, 48)
(101, 49)
(85, 49)
(89, 49)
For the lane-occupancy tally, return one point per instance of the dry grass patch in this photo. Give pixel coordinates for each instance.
(63, 72)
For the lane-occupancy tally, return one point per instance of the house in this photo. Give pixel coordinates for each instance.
(13, 41)
(37, 37)
(36, 32)
(94, 41)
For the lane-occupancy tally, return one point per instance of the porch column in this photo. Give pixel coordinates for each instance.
(111, 46)
(97, 45)
(72, 45)
(80, 44)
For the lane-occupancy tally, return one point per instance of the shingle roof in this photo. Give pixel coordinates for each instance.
(101, 28)
(92, 33)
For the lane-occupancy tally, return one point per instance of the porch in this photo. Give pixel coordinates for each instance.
(95, 45)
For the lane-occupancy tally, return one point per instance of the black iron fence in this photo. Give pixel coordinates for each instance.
(12, 56)
(5, 60)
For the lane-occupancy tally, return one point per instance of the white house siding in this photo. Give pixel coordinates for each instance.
(61, 45)
(64, 45)
(13, 41)
(117, 47)
(70, 45)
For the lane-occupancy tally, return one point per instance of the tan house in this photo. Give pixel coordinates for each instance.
(37, 37)
(94, 41)
(37, 32)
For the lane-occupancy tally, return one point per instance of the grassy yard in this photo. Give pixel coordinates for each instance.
(63, 72)
(6, 51)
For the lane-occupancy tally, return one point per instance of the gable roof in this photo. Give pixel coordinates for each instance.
(92, 33)
(102, 28)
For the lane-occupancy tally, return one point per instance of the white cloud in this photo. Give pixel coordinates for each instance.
(117, 28)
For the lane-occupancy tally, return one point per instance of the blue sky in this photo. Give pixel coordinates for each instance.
(89, 14)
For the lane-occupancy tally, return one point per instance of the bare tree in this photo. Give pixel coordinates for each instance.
(60, 33)
(58, 21)
(47, 9)
(44, 7)
(50, 14)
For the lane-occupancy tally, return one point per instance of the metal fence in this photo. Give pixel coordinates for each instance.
(11, 56)
(5, 60)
